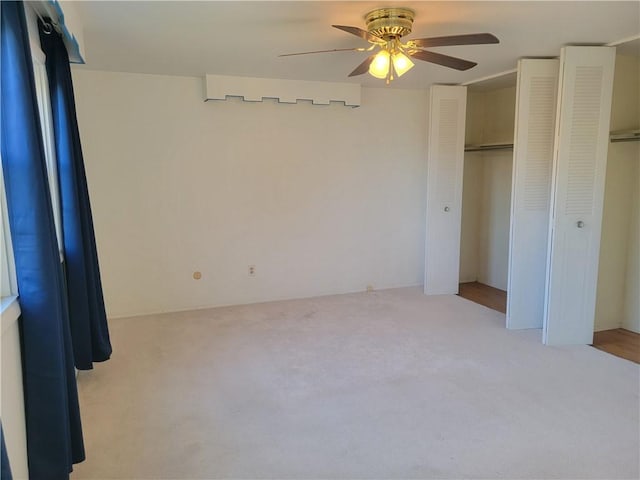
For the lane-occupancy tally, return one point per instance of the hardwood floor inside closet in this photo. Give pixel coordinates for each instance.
(619, 342)
(490, 297)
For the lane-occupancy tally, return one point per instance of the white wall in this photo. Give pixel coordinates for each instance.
(617, 302)
(472, 197)
(321, 199)
(486, 192)
(631, 310)
(493, 264)
(500, 115)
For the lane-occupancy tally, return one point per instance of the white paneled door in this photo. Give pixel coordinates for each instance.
(580, 158)
(536, 101)
(445, 160)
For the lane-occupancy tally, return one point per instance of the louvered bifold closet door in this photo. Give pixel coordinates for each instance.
(580, 160)
(445, 159)
(536, 102)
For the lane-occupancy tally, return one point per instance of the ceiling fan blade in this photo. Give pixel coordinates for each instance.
(363, 67)
(358, 32)
(324, 51)
(470, 39)
(445, 60)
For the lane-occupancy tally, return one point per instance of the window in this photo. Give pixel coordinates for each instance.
(7, 271)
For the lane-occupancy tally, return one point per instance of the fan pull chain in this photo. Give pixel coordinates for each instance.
(390, 74)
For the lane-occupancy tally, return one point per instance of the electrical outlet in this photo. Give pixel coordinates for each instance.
(252, 270)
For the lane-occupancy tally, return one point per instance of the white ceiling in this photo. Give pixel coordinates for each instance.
(244, 38)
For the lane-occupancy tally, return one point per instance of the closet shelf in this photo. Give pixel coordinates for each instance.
(625, 136)
(488, 146)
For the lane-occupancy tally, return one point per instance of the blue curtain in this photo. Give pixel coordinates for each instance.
(54, 433)
(5, 468)
(89, 331)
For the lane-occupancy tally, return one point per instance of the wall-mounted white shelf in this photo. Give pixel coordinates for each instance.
(625, 136)
(488, 146)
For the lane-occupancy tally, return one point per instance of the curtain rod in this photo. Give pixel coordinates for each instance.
(47, 26)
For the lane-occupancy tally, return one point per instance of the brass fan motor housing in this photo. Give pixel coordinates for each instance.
(390, 23)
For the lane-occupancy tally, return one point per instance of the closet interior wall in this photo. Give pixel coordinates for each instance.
(486, 197)
(617, 301)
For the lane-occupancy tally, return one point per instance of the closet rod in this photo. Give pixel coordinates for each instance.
(626, 136)
(494, 146)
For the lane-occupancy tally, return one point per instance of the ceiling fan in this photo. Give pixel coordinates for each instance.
(385, 28)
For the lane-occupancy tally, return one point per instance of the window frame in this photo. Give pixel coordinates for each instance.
(46, 122)
(7, 263)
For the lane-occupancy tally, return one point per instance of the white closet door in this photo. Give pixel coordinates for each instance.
(445, 160)
(580, 160)
(536, 103)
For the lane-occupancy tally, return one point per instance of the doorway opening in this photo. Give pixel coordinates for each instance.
(486, 192)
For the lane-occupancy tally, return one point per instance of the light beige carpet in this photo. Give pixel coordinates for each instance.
(390, 384)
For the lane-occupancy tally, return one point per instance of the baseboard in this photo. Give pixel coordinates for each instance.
(224, 305)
